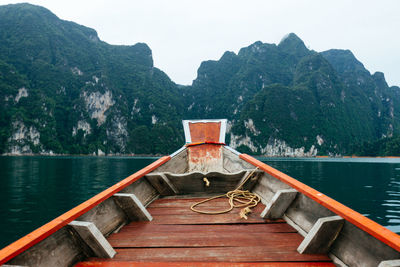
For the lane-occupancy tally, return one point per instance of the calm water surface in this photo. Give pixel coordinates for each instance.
(370, 186)
(35, 190)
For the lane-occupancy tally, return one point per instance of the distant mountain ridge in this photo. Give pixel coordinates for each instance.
(63, 90)
(285, 100)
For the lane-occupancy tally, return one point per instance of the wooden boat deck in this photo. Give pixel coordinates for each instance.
(178, 236)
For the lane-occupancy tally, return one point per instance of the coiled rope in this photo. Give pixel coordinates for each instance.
(237, 198)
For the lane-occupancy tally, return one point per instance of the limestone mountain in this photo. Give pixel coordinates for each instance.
(63, 90)
(287, 100)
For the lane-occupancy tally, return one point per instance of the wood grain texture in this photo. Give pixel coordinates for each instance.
(96, 263)
(179, 235)
(204, 131)
(223, 254)
(287, 241)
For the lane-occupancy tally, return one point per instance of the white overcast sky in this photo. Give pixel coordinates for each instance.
(183, 33)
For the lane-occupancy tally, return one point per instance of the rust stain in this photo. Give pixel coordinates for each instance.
(204, 153)
(205, 131)
(205, 157)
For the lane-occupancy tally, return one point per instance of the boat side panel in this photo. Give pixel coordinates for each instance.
(194, 183)
(267, 186)
(305, 212)
(64, 247)
(142, 190)
(177, 164)
(107, 216)
(205, 158)
(232, 162)
(50, 228)
(378, 231)
(358, 248)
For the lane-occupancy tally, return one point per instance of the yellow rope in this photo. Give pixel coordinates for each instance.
(237, 198)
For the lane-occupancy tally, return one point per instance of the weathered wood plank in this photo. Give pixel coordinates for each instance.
(279, 204)
(251, 181)
(92, 236)
(305, 212)
(136, 228)
(357, 248)
(186, 209)
(161, 210)
(284, 241)
(63, 248)
(132, 207)
(390, 263)
(206, 219)
(203, 264)
(232, 162)
(161, 183)
(205, 158)
(267, 186)
(199, 238)
(193, 182)
(107, 216)
(177, 164)
(142, 190)
(322, 235)
(216, 254)
(184, 202)
(97, 263)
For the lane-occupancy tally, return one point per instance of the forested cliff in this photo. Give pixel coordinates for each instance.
(64, 91)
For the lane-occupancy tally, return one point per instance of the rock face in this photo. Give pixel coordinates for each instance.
(97, 104)
(63, 90)
(285, 100)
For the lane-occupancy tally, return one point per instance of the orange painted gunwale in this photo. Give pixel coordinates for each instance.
(51, 227)
(369, 226)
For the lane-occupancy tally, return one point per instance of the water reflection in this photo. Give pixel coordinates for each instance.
(35, 190)
(369, 186)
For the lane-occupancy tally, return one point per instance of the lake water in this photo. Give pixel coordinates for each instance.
(35, 190)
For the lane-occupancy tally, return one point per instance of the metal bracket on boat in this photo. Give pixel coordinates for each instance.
(390, 263)
(92, 236)
(279, 204)
(132, 207)
(322, 235)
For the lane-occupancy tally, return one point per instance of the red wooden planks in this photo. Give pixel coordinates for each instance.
(137, 228)
(177, 211)
(202, 264)
(185, 238)
(222, 254)
(287, 241)
(226, 218)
